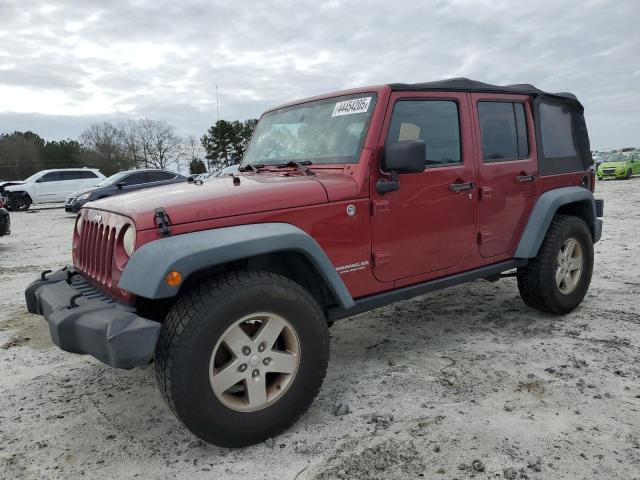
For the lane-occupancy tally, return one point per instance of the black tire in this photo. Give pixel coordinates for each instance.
(628, 175)
(536, 280)
(192, 329)
(19, 203)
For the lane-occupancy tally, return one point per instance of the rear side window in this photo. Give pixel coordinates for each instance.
(136, 179)
(503, 127)
(86, 174)
(557, 132)
(434, 121)
(158, 176)
(71, 175)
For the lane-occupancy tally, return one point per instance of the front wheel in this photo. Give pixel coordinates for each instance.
(19, 203)
(629, 173)
(242, 356)
(557, 280)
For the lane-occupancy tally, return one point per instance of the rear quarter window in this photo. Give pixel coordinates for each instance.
(556, 131)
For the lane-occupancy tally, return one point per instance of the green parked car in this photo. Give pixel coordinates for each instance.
(619, 166)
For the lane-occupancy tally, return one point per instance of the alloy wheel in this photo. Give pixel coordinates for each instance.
(569, 265)
(254, 362)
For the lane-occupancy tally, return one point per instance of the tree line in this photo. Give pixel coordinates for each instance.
(126, 145)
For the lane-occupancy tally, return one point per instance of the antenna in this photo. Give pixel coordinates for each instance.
(217, 103)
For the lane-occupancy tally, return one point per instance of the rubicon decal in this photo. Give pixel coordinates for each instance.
(352, 267)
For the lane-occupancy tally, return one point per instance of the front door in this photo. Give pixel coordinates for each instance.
(428, 225)
(507, 169)
(47, 187)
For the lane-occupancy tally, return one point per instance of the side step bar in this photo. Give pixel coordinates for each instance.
(372, 302)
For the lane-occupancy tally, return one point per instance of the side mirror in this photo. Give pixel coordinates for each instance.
(401, 157)
(120, 185)
(39, 180)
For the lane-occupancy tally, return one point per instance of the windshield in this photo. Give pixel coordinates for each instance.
(617, 158)
(325, 131)
(112, 179)
(33, 177)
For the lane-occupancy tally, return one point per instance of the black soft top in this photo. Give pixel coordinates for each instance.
(560, 128)
(467, 85)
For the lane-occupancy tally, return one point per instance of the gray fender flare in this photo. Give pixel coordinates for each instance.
(543, 212)
(145, 271)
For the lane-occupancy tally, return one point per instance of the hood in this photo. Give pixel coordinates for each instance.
(613, 164)
(81, 192)
(4, 185)
(220, 197)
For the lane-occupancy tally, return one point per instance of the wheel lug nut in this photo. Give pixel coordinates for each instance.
(242, 367)
(256, 372)
(246, 350)
(266, 361)
(261, 347)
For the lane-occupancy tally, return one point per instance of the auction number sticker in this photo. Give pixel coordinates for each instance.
(349, 107)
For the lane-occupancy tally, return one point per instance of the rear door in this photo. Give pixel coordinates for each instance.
(428, 225)
(87, 179)
(507, 169)
(71, 181)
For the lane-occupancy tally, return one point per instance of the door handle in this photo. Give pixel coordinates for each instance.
(523, 178)
(461, 186)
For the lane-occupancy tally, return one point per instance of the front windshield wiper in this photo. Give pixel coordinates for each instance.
(302, 166)
(249, 166)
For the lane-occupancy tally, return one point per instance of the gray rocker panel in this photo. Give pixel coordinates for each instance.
(145, 272)
(543, 212)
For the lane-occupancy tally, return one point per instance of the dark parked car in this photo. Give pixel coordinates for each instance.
(5, 221)
(122, 182)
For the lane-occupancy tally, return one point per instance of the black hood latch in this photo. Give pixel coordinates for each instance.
(162, 222)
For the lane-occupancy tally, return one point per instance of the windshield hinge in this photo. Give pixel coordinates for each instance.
(162, 222)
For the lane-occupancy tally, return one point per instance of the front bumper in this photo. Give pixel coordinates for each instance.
(82, 319)
(5, 222)
(73, 205)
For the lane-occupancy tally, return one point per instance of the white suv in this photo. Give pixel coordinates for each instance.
(49, 186)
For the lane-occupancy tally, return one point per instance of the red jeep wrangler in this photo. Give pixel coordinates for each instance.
(344, 203)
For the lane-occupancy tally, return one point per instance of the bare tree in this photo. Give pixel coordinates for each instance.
(160, 144)
(105, 141)
(131, 139)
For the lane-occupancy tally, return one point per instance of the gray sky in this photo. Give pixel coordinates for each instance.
(68, 63)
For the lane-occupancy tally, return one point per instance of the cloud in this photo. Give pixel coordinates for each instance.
(67, 63)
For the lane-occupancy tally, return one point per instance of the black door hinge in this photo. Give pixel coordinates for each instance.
(162, 222)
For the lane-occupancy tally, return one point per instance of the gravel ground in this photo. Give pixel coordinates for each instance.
(467, 382)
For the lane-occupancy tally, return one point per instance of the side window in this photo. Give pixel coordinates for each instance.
(86, 174)
(158, 176)
(136, 178)
(50, 177)
(557, 131)
(503, 127)
(70, 175)
(434, 121)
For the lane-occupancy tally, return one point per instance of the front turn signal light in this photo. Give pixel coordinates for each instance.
(173, 278)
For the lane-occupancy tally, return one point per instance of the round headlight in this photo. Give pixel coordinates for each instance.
(79, 224)
(129, 241)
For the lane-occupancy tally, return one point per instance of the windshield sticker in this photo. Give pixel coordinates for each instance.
(349, 107)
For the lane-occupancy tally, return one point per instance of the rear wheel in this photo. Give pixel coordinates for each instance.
(241, 357)
(557, 280)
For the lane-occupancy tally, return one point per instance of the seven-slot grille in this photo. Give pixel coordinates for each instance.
(95, 246)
